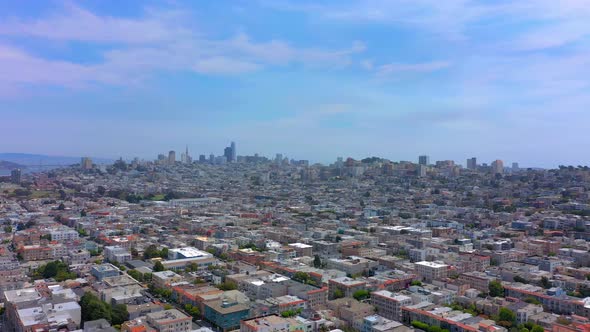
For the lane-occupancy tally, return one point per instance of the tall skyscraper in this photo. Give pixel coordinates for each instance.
(212, 158)
(171, 157)
(15, 176)
(497, 167)
(86, 163)
(202, 158)
(515, 167)
(227, 153)
(185, 157)
(472, 163)
(423, 160)
(230, 153)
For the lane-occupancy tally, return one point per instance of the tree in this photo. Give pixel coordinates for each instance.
(93, 308)
(496, 288)
(135, 275)
(361, 294)
(545, 283)
(61, 206)
(338, 294)
(8, 229)
(301, 276)
(506, 317)
(420, 325)
(101, 190)
(227, 285)
(193, 311)
(520, 279)
(317, 261)
(119, 314)
(416, 283)
(158, 267)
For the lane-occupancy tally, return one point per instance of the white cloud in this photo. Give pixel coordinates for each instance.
(158, 40)
(424, 67)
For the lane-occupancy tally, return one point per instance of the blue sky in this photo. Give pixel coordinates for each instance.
(312, 80)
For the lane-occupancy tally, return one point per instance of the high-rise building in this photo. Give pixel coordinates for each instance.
(202, 158)
(171, 157)
(424, 160)
(230, 153)
(421, 171)
(515, 167)
(185, 158)
(227, 153)
(472, 163)
(497, 167)
(86, 163)
(15, 175)
(212, 158)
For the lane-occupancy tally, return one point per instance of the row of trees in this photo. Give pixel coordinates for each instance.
(58, 270)
(93, 308)
(152, 251)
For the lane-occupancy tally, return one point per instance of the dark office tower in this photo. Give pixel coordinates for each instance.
(472, 163)
(202, 158)
(230, 153)
(171, 157)
(212, 158)
(15, 175)
(423, 160)
(227, 154)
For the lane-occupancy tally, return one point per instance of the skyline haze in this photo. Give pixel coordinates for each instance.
(451, 79)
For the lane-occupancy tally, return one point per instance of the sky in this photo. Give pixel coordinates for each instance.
(312, 80)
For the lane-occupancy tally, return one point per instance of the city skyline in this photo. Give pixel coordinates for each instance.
(312, 81)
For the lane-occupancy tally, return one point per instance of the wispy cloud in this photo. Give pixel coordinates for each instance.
(549, 23)
(160, 39)
(424, 67)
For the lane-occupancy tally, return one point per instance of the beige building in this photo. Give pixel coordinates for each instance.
(430, 270)
(163, 278)
(389, 305)
(169, 321)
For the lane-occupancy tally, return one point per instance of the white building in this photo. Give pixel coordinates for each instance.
(117, 254)
(430, 270)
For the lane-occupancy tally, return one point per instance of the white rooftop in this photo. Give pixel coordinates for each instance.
(431, 264)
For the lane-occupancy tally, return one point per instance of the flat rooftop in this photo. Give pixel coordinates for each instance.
(431, 264)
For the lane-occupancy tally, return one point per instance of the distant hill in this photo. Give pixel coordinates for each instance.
(26, 159)
(8, 165)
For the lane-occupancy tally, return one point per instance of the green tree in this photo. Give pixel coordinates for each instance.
(416, 283)
(301, 276)
(420, 325)
(496, 288)
(227, 285)
(506, 317)
(520, 279)
(158, 266)
(361, 294)
(136, 275)
(317, 261)
(93, 308)
(119, 314)
(338, 294)
(193, 311)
